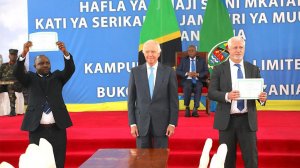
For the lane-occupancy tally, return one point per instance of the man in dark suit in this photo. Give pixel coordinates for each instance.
(152, 100)
(235, 119)
(193, 71)
(46, 115)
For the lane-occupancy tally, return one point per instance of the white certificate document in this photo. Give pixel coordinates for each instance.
(43, 41)
(250, 88)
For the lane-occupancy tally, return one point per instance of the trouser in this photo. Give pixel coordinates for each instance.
(239, 132)
(12, 99)
(152, 141)
(190, 88)
(56, 137)
(10, 89)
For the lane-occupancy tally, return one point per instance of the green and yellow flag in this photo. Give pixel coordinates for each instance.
(161, 25)
(215, 31)
(216, 27)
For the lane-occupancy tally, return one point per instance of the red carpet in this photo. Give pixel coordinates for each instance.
(278, 138)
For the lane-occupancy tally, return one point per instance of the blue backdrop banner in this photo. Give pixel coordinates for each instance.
(103, 37)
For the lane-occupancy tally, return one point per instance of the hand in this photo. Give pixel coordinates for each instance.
(170, 131)
(234, 95)
(196, 74)
(134, 131)
(262, 97)
(192, 74)
(62, 48)
(26, 47)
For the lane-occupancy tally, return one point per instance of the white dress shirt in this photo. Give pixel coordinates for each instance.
(233, 71)
(46, 118)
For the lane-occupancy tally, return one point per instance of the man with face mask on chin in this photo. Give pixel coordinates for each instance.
(46, 115)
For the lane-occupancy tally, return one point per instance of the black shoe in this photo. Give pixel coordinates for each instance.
(187, 112)
(195, 113)
(12, 113)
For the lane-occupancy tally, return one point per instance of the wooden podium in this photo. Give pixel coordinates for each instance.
(128, 158)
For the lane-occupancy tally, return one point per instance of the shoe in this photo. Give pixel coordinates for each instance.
(187, 112)
(12, 113)
(195, 113)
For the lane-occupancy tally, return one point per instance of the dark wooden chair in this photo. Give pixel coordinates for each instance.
(203, 55)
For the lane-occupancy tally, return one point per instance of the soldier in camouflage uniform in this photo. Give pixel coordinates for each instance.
(6, 74)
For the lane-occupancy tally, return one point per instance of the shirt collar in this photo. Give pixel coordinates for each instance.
(42, 75)
(232, 63)
(154, 66)
(193, 58)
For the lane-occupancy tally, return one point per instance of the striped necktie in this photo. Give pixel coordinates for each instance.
(46, 108)
(240, 103)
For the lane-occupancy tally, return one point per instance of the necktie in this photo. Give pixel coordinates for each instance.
(240, 103)
(151, 81)
(193, 69)
(46, 108)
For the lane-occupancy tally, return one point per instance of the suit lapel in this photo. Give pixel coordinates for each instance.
(158, 80)
(198, 64)
(144, 77)
(247, 70)
(44, 83)
(227, 74)
(188, 62)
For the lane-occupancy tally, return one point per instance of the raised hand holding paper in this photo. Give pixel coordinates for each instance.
(43, 41)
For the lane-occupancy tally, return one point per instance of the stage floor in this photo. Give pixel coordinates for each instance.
(278, 137)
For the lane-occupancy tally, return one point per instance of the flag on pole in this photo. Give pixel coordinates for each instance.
(216, 30)
(216, 27)
(161, 25)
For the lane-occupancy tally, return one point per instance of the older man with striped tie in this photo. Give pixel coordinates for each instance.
(235, 119)
(46, 115)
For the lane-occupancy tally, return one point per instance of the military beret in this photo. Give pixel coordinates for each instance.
(13, 51)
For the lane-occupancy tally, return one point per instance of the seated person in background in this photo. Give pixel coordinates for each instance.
(193, 71)
(6, 74)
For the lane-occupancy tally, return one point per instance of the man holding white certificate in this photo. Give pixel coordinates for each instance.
(236, 117)
(46, 115)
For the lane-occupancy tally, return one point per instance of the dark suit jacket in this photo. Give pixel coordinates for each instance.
(220, 84)
(162, 109)
(184, 67)
(38, 96)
